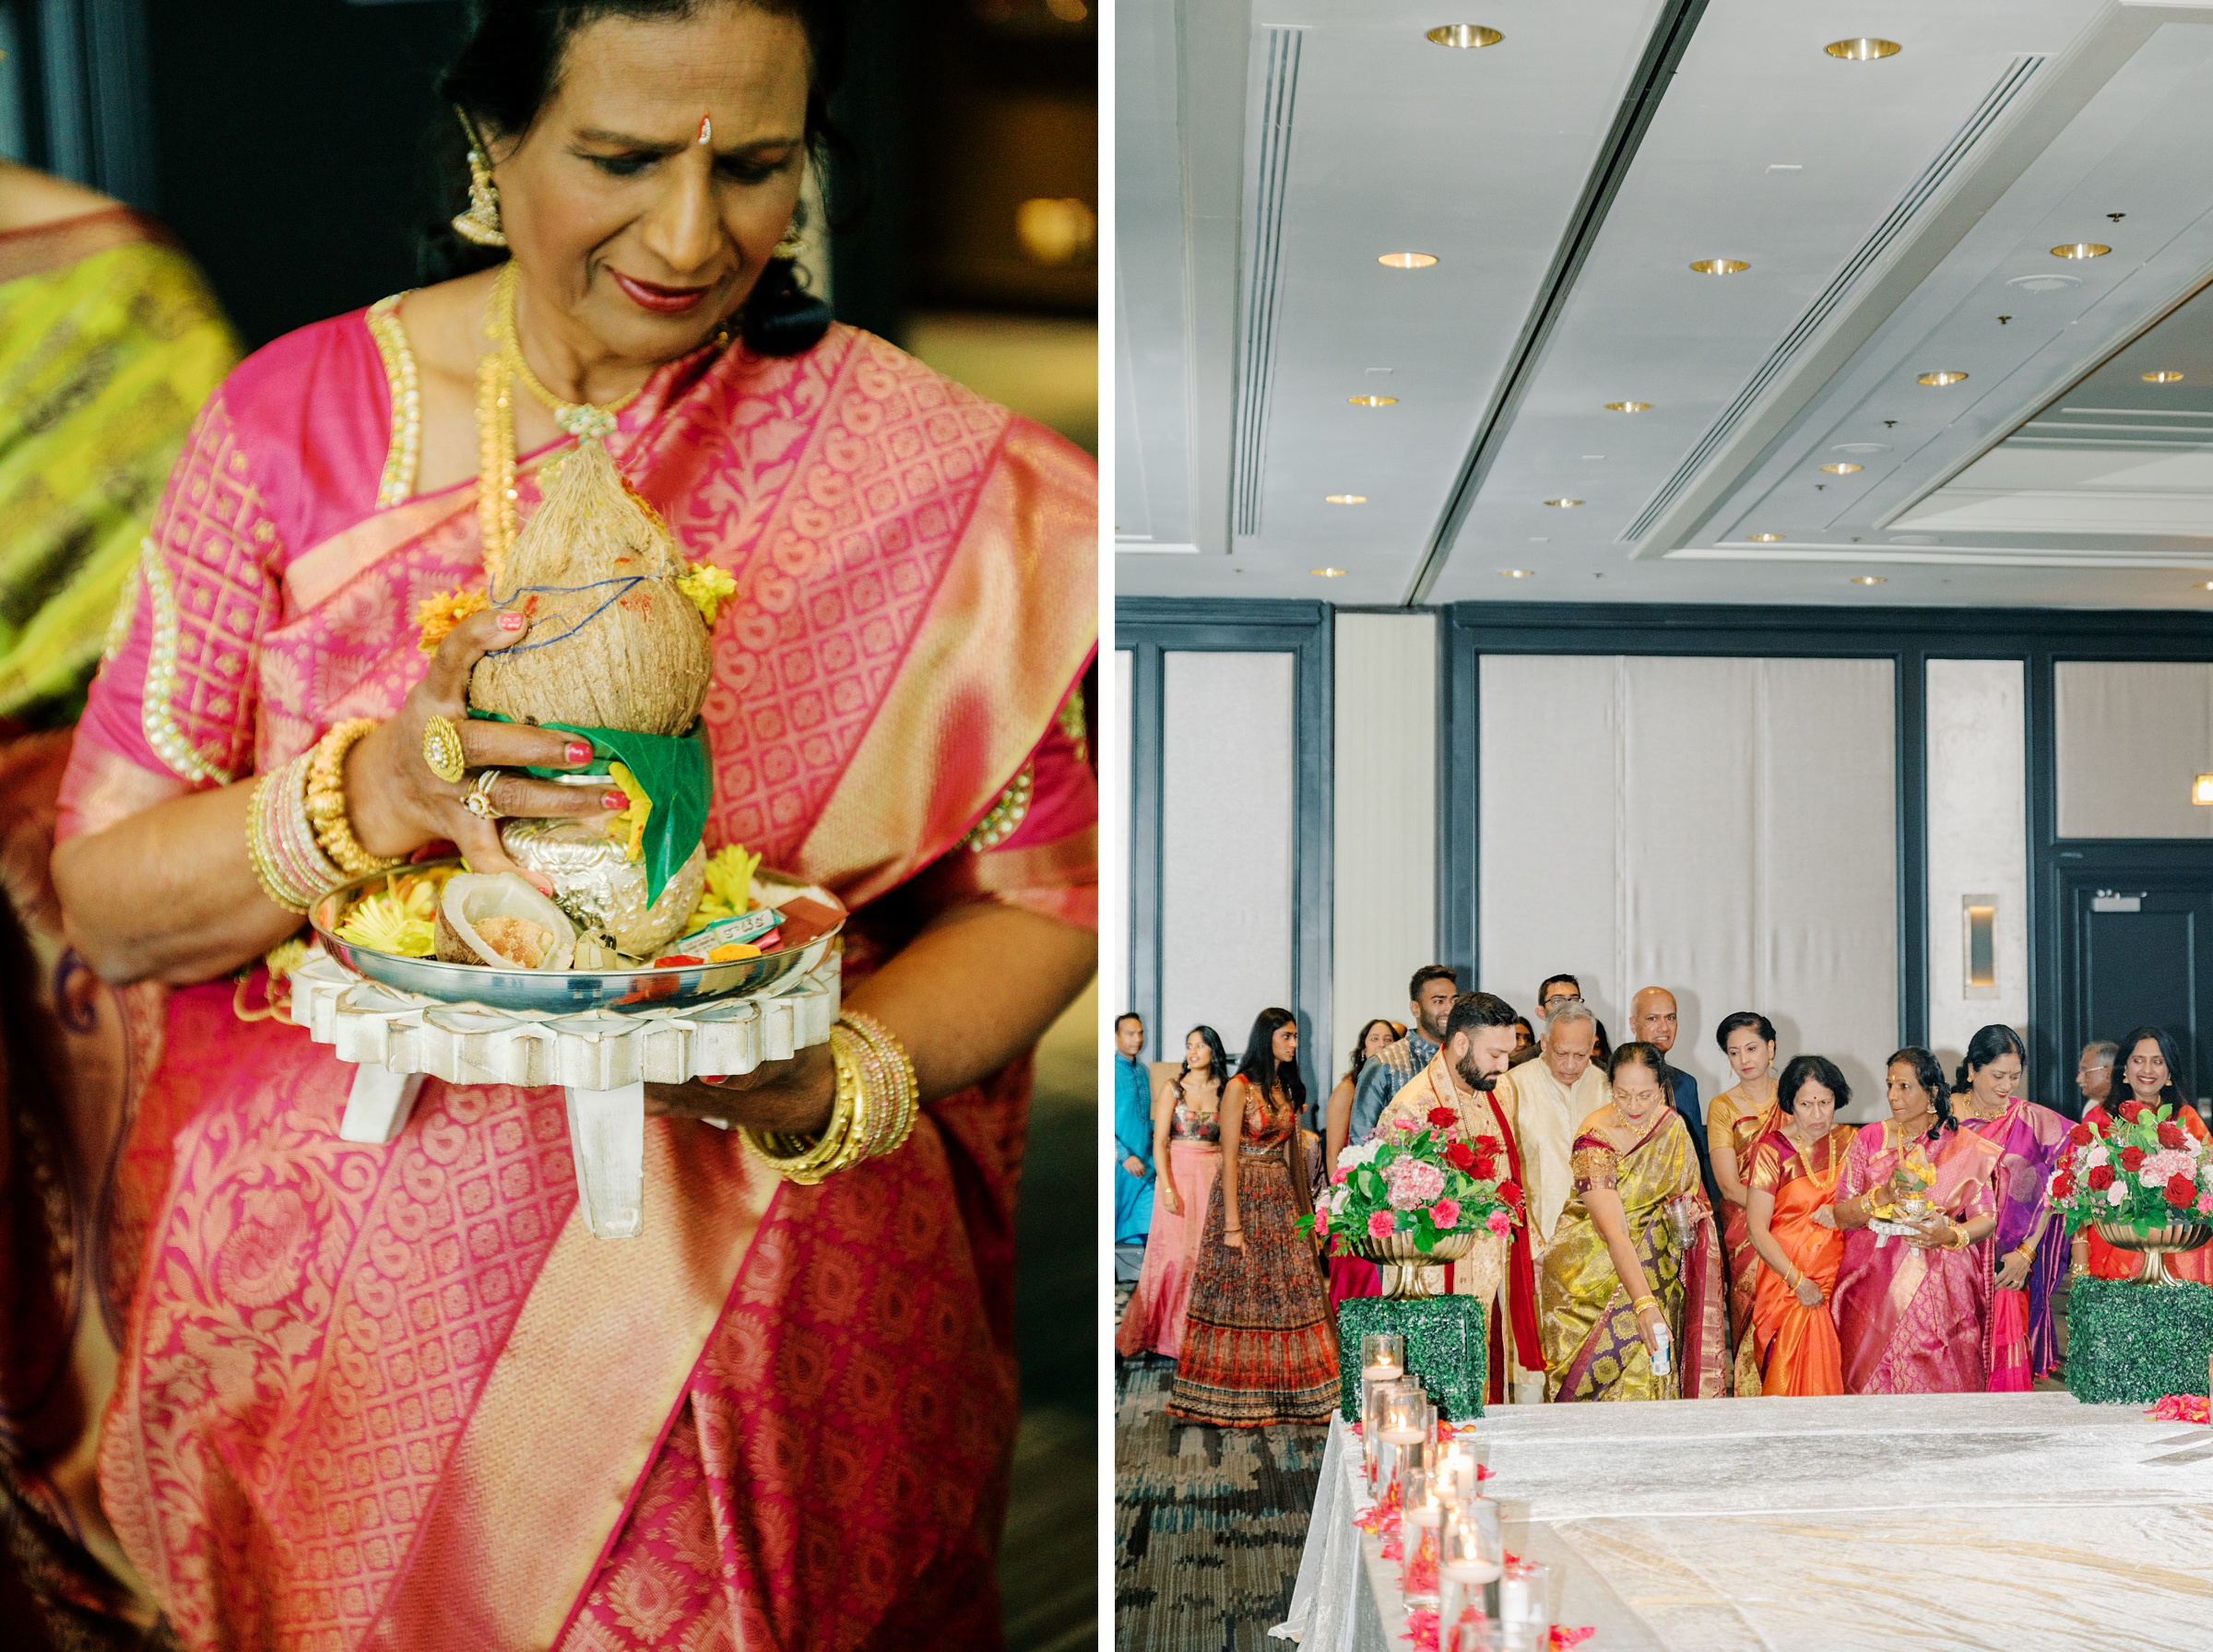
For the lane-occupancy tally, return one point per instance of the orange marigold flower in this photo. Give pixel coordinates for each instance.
(438, 614)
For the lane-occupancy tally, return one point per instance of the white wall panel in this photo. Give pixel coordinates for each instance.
(1118, 768)
(2132, 736)
(1227, 821)
(1385, 874)
(1724, 828)
(1978, 842)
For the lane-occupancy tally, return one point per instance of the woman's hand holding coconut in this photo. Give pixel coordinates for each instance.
(398, 804)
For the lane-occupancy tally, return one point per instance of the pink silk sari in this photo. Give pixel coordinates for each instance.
(396, 1396)
(1916, 1321)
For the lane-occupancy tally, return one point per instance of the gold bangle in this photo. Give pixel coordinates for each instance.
(257, 851)
(290, 868)
(1642, 1303)
(326, 800)
(798, 1158)
(901, 1094)
(1958, 1241)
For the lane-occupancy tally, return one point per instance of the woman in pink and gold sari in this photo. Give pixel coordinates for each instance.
(398, 1397)
(1912, 1307)
(1738, 1121)
(2030, 1242)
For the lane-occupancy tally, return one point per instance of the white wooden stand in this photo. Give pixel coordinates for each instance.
(602, 1062)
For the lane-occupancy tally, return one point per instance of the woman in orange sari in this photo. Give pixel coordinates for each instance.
(1793, 1177)
(2143, 1076)
(397, 1396)
(1737, 1120)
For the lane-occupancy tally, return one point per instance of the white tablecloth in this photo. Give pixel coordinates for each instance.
(1940, 1522)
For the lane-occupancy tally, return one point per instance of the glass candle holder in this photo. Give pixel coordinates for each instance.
(1401, 1420)
(1371, 1420)
(1420, 1522)
(1525, 1596)
(1470, 1560)
(1382, 1357)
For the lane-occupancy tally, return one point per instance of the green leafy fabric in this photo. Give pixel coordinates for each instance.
(673, 772)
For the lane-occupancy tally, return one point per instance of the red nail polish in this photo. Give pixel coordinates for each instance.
(538, 880)
(578, 752)
(512, 622)
(614, 802)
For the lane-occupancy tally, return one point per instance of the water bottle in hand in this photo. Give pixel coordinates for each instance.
(1663, 1355)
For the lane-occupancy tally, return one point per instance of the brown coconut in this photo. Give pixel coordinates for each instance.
(642, 661)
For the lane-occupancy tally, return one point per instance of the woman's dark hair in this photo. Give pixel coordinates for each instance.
(1739, 1021)
(1636, 1053)
(1987, 1045)
(1802, 1070)
(1602, 1053)
(510, 66)
(2171, 1095)
(1217, 1057)
(1928, 1072)
(1360, 1046)
(1259, 1064)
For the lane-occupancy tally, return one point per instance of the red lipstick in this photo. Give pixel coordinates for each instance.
(660, 301)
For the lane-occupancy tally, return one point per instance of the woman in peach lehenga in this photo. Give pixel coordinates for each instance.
(1186, 1146)
(1912, 1307)
(1737, 1120)
(1794, 1171)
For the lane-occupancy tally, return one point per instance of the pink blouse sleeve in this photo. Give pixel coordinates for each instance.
(172, 709)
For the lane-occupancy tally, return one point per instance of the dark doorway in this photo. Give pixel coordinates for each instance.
(2139, 951)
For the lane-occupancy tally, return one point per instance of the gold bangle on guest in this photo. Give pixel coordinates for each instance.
(898, 1089)
(326, 800)
(798, 1158)
(1643, 1302)
(289, 865)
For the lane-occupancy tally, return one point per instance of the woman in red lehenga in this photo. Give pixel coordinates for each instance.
(398, 1396)
(1260, 1342)
(2144, 1073)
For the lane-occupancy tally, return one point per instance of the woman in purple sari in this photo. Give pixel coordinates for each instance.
(1912, 1304)
(2032, 1248)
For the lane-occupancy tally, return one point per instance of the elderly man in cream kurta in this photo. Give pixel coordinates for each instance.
(1468, 1075)
(1547, 1098)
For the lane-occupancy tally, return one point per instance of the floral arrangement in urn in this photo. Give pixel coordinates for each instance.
(1419, 1182)
(2134, 1168)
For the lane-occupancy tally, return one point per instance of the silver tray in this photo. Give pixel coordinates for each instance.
(562, 991)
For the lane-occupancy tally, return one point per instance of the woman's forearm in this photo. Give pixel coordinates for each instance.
(1612, 1223)
(1851, 1212)
(1758, 1213)
(169, 895)
(1232, 1111)
(978, 987)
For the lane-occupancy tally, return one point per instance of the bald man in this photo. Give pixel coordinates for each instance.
(1652, 1020)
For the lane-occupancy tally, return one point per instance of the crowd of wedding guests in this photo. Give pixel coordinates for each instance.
(1669, 1247)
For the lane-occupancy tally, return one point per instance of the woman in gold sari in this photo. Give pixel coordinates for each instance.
(1736, 1121)
(1794, 1176)
(1620, 1283)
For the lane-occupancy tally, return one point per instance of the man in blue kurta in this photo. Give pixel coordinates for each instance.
(1392, 1067)
(1132, 1146)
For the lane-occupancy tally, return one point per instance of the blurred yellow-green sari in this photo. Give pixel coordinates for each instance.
(109, 343)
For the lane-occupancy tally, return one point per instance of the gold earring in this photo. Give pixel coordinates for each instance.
(793, 243)
(480, 223)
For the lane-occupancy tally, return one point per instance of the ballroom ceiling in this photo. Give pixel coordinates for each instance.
(1288, 403)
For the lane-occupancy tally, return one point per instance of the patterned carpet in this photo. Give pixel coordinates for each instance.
(1208, 1522)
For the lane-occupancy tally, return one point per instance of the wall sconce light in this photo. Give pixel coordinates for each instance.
(2201, 790)
(1980, 951)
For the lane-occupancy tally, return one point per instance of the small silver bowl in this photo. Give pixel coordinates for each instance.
(565, 991)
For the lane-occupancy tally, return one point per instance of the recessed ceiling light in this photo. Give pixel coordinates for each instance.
(1862, 50)
(1517, 573)
(2203, 585)
(2081, 249)
(1345, 499)
(1840, 470)
(1720, 266)
(1564, 503)
(2163, 377)
(1763, 538)
(1373, 401)
(1941, 379)
(1860, 447)
(1628, 407)
(1869, 579)
(1407, 260)
(1330, 572)
(1469, 36)
(2051, 281)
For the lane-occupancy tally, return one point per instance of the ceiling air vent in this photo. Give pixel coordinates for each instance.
(1256, 329)
(1919, 195)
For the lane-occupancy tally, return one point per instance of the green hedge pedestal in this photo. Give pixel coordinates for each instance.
(1446, 1347)
(2132, 1344)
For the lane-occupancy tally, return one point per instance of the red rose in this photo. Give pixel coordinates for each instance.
(2131, 1159)
(2131, 1111)
(1489, 1144)
(1511, 1193)
(2062, 1187)
(2101, 1177)
(1487, 1166)
(1461, 1156)
(2081, 1135)
(1444, 1118)
(2171, 1135)
(2181, 1190)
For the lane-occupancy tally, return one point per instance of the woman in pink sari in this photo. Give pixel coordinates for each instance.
(398, 1396)
(1912, 1308)
(2030, 1244)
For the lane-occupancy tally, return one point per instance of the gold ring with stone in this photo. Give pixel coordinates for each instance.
(442, 750)
(479, 801)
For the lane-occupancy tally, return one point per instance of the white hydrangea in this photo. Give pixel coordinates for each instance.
(1358, 1153)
